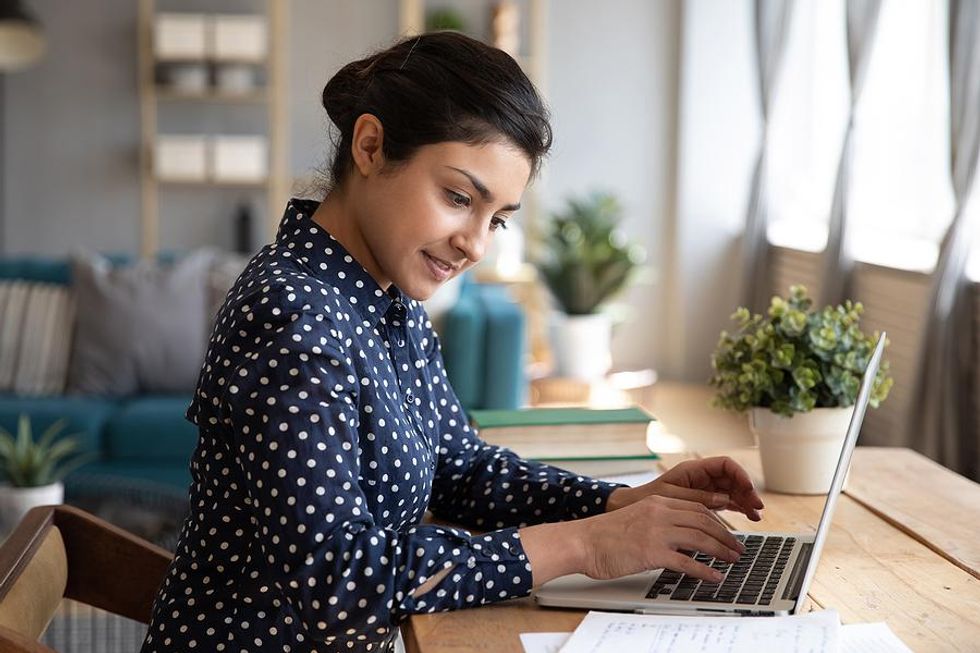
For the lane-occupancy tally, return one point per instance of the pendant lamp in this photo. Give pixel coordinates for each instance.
(21, 39)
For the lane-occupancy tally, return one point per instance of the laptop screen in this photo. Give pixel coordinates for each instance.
(853, 431)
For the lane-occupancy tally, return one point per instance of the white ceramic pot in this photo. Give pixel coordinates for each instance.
(582, 345)
(800, 453)
(16, 501)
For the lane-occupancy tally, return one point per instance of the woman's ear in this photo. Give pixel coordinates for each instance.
(366, 144)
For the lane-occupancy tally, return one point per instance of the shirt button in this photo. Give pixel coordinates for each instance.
(409, 396)
(401, 343)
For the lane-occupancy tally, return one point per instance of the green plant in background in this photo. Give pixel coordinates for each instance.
(588, 258)
(26, 463)
(795, 359)
(444, 18)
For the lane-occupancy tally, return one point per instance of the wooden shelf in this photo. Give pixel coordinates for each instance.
(271, 94)
(209, 183)
(208, 61)
(164, 94)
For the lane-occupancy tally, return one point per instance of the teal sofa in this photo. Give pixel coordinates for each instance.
(147, 438)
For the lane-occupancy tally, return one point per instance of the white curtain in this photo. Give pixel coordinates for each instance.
(940, 422)
(772, 24)
(862, 24)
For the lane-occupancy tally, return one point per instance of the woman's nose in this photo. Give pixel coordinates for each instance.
(472, 242)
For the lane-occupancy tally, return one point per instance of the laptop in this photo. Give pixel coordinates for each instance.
(770, 578)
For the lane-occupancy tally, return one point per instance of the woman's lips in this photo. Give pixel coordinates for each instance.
(440, 269)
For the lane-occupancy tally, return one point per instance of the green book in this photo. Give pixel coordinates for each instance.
(552, 434)
(557, 416)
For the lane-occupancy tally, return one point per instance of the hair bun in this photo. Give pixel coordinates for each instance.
(345, 90)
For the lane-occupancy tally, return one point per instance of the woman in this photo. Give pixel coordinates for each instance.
(327, 425)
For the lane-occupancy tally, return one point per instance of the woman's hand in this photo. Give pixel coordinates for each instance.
(718, 483)
(654, 532)
(650, 533)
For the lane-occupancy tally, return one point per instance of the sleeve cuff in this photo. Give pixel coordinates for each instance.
(585, 497)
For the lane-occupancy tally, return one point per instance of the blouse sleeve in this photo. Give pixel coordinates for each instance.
(486, 486)
(291, 408)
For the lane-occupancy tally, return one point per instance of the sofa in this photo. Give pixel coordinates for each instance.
(144, 437)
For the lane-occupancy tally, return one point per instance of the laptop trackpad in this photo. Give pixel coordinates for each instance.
(630, 588)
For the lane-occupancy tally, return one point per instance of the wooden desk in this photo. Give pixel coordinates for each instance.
(904, 548)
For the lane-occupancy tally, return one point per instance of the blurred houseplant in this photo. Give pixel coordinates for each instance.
(588, 259)
(797, 371)
(33, 471)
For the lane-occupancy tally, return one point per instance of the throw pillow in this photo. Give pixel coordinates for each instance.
(139, 328)
(36, 321)
(225, 270)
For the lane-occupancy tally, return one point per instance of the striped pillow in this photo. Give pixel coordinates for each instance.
(36, 324)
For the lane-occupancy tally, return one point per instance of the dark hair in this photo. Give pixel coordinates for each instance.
(433, 88)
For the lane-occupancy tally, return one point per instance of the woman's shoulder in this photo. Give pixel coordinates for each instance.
(281, 286)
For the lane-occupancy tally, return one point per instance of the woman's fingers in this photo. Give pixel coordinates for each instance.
(709, 480)
(690, 566)
(694, 515)
(694, 539)
(708, 498)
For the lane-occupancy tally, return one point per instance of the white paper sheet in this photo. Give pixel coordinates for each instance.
(870, 638)
(543, 642)
(637, 478)
(602, 632)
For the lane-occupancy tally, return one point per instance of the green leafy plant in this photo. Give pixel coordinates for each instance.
(795, 359)
(445, 18)
(26, 463)
(588, 257)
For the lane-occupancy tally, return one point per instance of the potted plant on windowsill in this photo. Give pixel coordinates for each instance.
(796, 372)
(587, 260)
(33, 471)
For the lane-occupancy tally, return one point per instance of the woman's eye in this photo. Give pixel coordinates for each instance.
(458, 199)
(497, 223)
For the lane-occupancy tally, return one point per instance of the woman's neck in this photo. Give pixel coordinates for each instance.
(339, 219)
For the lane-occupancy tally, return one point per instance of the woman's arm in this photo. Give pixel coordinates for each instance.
(290, 411)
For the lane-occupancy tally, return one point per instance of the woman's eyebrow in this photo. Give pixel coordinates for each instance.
(483, 190)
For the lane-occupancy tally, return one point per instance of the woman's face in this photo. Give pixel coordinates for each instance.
(431, 218)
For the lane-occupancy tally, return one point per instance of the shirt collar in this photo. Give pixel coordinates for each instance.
(328, 260)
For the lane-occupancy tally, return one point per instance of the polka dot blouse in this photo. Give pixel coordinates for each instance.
(327, 429)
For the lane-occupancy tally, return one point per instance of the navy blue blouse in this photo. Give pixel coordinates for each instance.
(327, 429)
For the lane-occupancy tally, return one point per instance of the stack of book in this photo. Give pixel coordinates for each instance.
(591, 442)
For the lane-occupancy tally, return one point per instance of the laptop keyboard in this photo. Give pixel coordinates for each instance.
(751, 579)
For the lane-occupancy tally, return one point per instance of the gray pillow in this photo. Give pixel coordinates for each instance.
(139, 328)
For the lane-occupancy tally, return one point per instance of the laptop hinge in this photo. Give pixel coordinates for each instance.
(795, 583)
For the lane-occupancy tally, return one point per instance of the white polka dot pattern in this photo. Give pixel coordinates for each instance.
(326, 426)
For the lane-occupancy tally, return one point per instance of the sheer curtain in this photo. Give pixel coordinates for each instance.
(772, 24)
(940, 416)
(862, 23)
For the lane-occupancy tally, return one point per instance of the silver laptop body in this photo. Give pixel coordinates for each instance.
(777, 587)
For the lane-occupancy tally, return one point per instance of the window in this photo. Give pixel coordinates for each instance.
(901, 201)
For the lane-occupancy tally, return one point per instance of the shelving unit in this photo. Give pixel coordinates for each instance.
(271, 96)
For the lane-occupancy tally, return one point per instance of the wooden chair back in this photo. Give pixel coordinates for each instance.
(63, 552)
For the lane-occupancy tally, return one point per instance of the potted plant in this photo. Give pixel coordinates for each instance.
(797, 371)
(33, 471)
(588, 260)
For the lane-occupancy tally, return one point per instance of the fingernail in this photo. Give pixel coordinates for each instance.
(720, 500)
(716, 575)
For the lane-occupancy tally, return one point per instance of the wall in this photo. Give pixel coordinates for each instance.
(612, 87)
(718, 132)
(71, 126)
